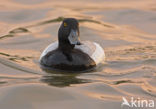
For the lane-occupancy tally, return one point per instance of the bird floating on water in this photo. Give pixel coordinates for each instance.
(69, 53)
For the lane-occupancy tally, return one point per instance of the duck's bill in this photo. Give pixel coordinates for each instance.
(74, 37)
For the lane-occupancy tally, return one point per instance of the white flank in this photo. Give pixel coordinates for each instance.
(50, 47)
(98, 56)
(93, 49)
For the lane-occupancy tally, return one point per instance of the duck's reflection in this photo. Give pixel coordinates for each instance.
(63, 79)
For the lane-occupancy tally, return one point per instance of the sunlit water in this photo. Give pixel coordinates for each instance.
(126, 29)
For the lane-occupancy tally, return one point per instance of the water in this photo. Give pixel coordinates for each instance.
(124, 28)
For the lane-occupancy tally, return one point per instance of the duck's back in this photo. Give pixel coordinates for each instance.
(75, 60)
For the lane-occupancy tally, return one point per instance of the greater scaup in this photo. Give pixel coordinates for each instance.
(68, 53)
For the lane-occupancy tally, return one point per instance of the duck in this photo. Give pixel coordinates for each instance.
(69, 53)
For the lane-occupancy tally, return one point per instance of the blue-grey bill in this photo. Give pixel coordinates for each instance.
(73, 37)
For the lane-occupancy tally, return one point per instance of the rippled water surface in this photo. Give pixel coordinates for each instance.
(126, 29)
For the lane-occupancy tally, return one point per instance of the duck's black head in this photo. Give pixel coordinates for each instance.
(68, 34)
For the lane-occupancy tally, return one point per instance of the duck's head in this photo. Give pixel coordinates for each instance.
(68, 34)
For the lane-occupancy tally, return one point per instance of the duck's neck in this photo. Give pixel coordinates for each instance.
(64, 43)
(65, 46)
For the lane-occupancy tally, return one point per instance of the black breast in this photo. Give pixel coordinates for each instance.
(75, 60)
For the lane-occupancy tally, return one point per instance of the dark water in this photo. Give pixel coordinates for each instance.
(126, 29)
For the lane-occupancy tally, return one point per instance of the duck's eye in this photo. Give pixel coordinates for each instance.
(65, 24)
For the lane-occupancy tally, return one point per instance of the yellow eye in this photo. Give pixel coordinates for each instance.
(65, 24)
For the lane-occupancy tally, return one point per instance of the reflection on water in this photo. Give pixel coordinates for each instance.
(63, 80)
(124, 28)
